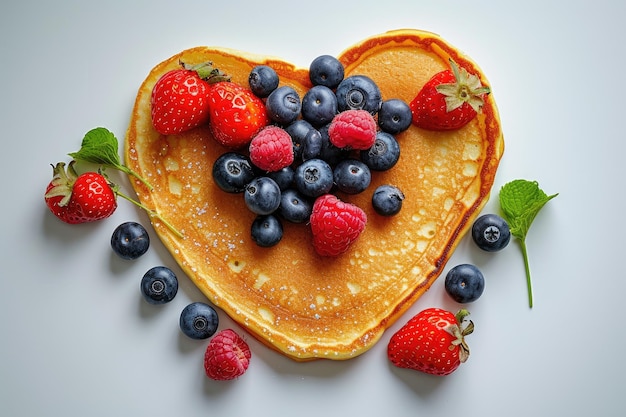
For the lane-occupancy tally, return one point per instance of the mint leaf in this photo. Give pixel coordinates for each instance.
(100, 146)
(520, 202)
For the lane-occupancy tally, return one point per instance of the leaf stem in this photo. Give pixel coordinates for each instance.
(522, 243)
(129, 171)
(151, 213)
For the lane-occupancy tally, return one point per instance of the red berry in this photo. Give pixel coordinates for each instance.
(271, 149)
(79, 198)
(353, 129)
(335, 225)
(237, 115)
(433, 341)
(227, 356)
(179, 102)
(449, 100)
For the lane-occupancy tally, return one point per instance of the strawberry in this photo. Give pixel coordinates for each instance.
(227, 356)
(449, 100)
(335, 225)
(81, 198)
(236, 114)
(180, 98)
(433, 341)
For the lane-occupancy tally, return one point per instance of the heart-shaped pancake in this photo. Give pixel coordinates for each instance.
(293, 300)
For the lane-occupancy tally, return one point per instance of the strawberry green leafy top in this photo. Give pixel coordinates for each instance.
(520, 202)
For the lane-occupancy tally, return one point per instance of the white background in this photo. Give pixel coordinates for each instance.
(76, 338)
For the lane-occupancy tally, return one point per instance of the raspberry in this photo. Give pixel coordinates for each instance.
(227, 356)
(335, 225)
(271, 149)
(354, 129)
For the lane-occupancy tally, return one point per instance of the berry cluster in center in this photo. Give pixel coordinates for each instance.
(328, 140)
(289, 154)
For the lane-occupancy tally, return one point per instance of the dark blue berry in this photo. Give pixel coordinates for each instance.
(130, 240)
(314, 177)
(283, 177)
(319, 105)
(394, 116)
(465, 283)
(358, 92)
(159, 285)
(384, 154)
(283, 105)
(266, 230)
(387, 200)
(263, 80)
(329, 152)
(262, 195)
(326, 70)
(491, 232)
(352, 176)
(298, 131)
(294, 206)
(198, 321)
(232, 172)
(312, 145)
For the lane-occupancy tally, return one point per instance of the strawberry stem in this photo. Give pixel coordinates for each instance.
(130, 172)
(151, 213)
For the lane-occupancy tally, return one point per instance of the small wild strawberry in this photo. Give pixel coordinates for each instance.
(433, 341)
(79, 198)
(449, 100)
(180, 100)
(237, 115)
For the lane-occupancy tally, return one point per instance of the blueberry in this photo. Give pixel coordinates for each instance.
(312, 145)
(298, 131)
(394, 116)
(266, 230)
(263, 80)
(387, 200)
(465, 283)
(384, 154)
(130, 240)
(358, 92)
(326, 70)
(198, 321)
(159, 285)
(329, 152)
(283, 105)
(352, 176)
(283, 177)
(314, 177)
(294, 206)
(232, 172)
(262, 195)
(491, 232)
(319, 105)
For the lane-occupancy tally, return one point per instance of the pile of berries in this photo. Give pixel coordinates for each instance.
(312, 148)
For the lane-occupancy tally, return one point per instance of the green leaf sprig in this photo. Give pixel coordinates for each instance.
(520, 202)
(100, 146)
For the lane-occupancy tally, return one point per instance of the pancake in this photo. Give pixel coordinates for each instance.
(301, 304)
